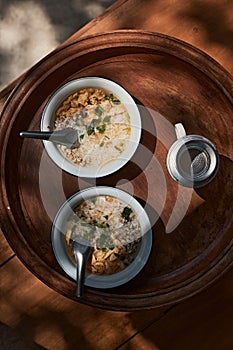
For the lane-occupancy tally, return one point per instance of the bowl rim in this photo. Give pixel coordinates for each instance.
(101, 281)
(67, 89)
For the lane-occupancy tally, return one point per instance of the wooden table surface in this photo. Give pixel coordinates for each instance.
(204, 321)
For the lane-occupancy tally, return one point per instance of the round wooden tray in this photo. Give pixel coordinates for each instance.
(172, 82)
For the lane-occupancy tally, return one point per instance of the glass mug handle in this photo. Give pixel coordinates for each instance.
(180, 131)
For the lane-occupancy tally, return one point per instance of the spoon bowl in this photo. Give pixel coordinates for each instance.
(68, 137)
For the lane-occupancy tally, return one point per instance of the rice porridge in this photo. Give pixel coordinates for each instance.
(102, 123)
(112, 229)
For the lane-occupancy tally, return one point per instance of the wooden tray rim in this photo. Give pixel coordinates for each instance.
(212, 70)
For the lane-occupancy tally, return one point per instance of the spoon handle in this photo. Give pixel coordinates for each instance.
(81, 253)
(81, 267)
(42, 135)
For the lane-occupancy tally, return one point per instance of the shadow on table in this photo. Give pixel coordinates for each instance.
(9, 340)
(214, 18)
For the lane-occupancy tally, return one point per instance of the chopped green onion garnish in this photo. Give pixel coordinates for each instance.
(99, 111)
(116, 101)
(107, 119)
(126, 213)
(118, 148)
(90, 130)
(101, 128)
(119, 256)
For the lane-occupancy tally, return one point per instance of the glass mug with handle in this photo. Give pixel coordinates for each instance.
(192, 160)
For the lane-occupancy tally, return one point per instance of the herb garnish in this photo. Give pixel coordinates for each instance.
(126, 213)
(116, 101)
(108, 97)
(90, 130)
(99, 111)
(119, 256)
(95, 122)
(101, 128)
(104, 241)
(107, 119)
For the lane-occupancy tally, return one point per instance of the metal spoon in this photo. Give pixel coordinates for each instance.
(68, 137)
(81, 250)
(199, 164)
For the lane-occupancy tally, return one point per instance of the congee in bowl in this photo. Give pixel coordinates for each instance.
(112, 229)
(115, 225)
(107, 122)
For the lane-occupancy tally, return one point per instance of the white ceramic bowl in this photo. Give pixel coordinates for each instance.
(69, 88)
(60, 250)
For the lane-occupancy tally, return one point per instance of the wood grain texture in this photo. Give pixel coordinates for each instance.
(206, 24)
(203, 322)
(40, 315)
(5, 251)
